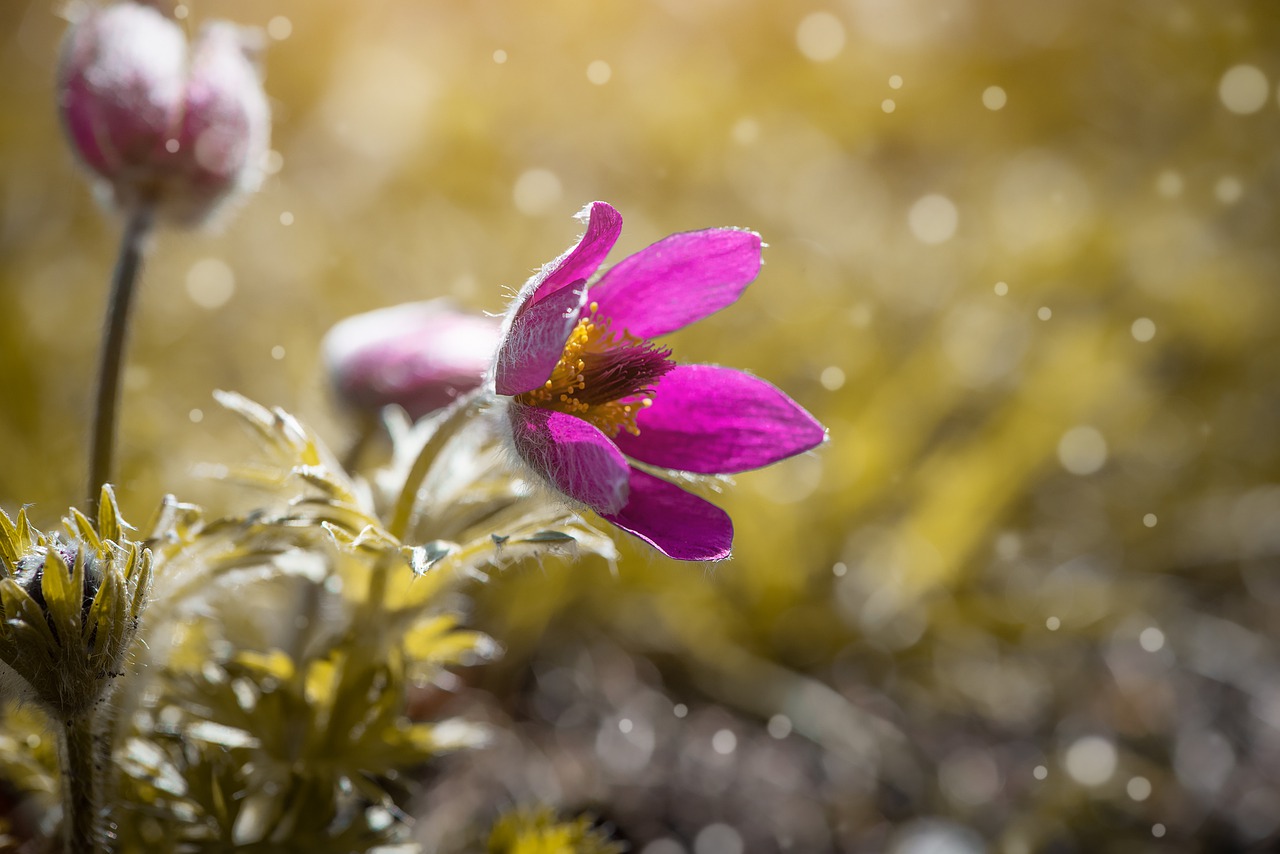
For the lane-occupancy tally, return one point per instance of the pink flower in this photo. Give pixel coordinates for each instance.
(419, 355)
(588, 390)
(184, 130)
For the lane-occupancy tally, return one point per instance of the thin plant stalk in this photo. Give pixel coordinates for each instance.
(123, 284)
(82, 767)
(453, 418)
(367, 428)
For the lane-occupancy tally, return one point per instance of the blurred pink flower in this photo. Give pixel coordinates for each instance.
(183, 131)
(587, 389)
(420, 356)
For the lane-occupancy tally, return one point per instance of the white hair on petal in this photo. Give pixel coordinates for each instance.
(545, 481)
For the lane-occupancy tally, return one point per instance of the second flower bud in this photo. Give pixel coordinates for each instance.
(183, 130)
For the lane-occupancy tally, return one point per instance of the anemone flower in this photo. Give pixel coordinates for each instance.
(186, 129)
(420, 355)
(587, 391)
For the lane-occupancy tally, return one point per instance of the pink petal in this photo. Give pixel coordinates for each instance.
(535, 339)
(120, 86)
(419, 355)
(679, 279)
(604, 224)
(714, 420)
(226, 119)
(677, 523)
(572, 455)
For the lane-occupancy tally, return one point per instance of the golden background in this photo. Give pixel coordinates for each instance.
(1022, 261)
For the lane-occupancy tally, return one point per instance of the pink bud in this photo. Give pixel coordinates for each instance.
(419, 355)
(183, 133)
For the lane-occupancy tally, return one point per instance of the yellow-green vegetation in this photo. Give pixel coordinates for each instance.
(540, 832)
(292, 652)
(70, 606)
(1021, 261)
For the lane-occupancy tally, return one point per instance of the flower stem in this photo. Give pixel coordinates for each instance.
(366, 429)
(123, 280)
(453, 418)
(82, 769)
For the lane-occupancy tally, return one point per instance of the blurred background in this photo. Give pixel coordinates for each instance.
(1022, 262)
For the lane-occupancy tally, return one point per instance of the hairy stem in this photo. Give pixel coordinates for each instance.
(365, 431)
(123, 281)
(402, 516)
(82, 770)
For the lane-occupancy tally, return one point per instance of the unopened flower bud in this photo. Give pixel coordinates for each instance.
(420, 356)
(32, 565)
(184, 131)
(69, 606)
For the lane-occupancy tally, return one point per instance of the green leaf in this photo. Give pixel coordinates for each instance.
(25, 540)
(9, 551)
(63, 591)
(174, 520)
(102, 612)
(550, 537)
(220, 811)
(35, 656)
(349, 517)
(110, 523)
(20, 607)
(275, 664)
(294, 435)
(138, 574)
(80, 526)
(340, 535)
(255, 414)
(321, 478)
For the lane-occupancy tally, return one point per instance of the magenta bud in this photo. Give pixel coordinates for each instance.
(184, 131)
(419, 355)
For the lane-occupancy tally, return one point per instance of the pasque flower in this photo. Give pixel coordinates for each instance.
(419, 355)
(181, 130)
(70, 605)
(587, 391)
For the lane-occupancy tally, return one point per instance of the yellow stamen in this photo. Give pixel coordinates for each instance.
(593, 345)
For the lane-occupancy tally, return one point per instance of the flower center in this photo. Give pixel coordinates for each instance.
(603, 377)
